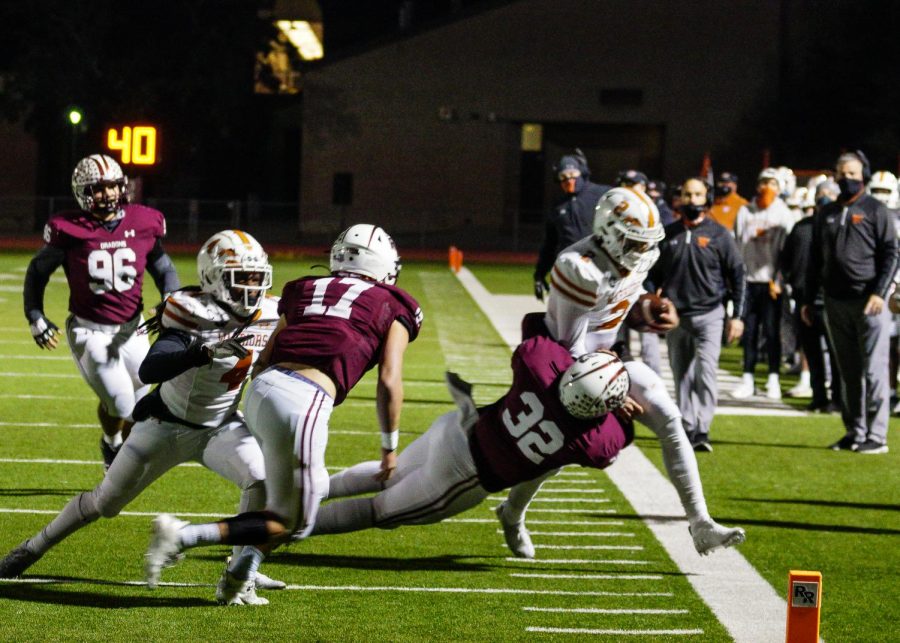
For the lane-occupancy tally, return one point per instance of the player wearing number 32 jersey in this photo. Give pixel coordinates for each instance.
(104, 249)
(332, 330)
(556, 412)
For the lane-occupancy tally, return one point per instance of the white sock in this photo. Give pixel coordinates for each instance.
(115, 441)
(747, 378)
(244, 566)
(203, 534)
(804, 379)
(773, 380)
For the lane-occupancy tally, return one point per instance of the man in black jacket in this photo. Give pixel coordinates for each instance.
(571, 219)
(854, 256)
(698, 268)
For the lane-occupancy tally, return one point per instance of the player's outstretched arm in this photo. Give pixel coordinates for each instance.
(389, 396)
(161, 268)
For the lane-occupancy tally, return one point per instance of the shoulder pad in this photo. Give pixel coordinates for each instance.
(191, 310)
(577, 278)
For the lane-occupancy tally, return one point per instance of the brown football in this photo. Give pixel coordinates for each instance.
(648, 309)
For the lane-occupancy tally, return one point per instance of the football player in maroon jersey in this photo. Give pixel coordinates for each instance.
(558, 411)
(332, 330)
(104, 249)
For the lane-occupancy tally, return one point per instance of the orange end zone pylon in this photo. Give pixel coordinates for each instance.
(455, 259)
(804, 606)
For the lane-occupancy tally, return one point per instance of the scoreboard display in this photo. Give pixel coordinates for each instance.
(135, 144)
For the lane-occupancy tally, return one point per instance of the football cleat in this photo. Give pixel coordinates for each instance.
(262, 581)
(516, 534)
(165, 547)
(233, 591)
(17, 561)
(709, 536)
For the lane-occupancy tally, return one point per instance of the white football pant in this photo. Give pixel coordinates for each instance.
(109, 358)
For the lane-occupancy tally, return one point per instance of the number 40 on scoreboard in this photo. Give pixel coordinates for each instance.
(136, 144)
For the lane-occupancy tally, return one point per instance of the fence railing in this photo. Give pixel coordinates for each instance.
(193, 220)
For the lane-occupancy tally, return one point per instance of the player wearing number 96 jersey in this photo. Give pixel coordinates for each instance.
(331, 331)
(555, 413)
(104, 249)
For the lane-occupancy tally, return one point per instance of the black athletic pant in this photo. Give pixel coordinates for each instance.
(763, 311)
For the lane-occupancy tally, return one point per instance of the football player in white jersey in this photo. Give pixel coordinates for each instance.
(209, 337)
(594, 284)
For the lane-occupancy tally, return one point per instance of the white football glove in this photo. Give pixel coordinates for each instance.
(231, 347)
(44, 332)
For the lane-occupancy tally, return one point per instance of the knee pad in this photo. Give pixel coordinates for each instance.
(250, 528)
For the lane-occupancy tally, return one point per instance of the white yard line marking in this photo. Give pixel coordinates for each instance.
(54, 358)
(592, 547)
(600, 610)
(467, 590)
(761, 613)
(553, 481)
(574, 474)
(41, 397)
(43, 374)
(593, 576)
(532, 509)
(133, 514)
(552, 490)
(90, 581)
(584, 630)
(577, 561)
(574, 533)
(49, 425)
(592, 523)
(575, 500)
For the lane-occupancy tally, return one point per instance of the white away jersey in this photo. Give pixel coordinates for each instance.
(208, 394)
(589, 299)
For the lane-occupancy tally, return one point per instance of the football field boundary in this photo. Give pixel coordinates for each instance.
(741, 599)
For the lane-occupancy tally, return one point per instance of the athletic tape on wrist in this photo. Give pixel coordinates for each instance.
(390, 441)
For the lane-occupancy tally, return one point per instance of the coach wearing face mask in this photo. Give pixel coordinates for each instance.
(854, 257)
(698, 269)
(571, 219)
(761, 228)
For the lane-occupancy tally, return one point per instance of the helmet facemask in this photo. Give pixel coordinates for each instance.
(99, 185)
(235, 270)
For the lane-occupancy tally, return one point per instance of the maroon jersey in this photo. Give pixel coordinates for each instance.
(339, 324)
(528, 431)
(105, 270)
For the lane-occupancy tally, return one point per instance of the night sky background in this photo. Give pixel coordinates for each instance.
(188, 67)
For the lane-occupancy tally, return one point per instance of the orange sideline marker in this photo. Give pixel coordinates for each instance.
(804, 605)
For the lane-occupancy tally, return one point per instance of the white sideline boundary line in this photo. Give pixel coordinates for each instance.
(593, 576)
(559, 500)
(601, 610)
(759, 614)
(584, 630)
(577, 561)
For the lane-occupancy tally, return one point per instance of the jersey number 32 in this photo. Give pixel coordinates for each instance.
(537, 437)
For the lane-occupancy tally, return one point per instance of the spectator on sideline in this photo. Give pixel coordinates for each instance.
(656, 190)
(570, 220)
(727, 201)
(794, 264)
(760, 230)
(698, 268)
(854, 260)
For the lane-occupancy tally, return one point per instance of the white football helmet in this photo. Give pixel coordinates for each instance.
(883, 186)
(368, 251)
(234, 268)
(626, 223)
(94, 169)
(595, 384)
(788, 181)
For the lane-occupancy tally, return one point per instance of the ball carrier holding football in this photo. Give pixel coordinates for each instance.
(595, 284)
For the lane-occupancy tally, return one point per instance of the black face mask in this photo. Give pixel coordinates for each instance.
(823, 201)
(849, 188)
(692, 212)
(722, 190)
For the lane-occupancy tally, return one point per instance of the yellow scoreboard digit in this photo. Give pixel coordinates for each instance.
(136, 145)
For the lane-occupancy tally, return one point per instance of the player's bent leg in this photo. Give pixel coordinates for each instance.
(352, 481)
(511, 514)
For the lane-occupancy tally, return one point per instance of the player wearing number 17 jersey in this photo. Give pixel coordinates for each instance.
(104, 249)
(331, 331)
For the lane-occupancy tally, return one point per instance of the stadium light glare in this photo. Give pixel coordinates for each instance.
(302, 35)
